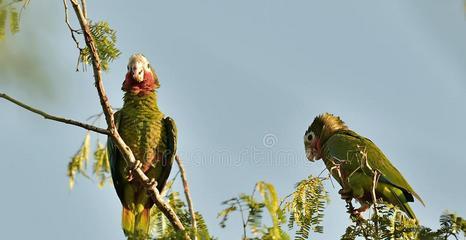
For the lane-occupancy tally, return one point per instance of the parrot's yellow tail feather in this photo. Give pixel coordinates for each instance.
(127, 221)
(142, 222)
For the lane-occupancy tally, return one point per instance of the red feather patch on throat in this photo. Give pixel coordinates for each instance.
(148, 85)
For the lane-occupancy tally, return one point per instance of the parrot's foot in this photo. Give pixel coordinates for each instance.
(359, 211)
(129, 177)
(345, 194)
(151, 183)
(136, 165)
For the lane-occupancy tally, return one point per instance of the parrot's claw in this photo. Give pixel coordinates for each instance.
(359, 211)
(130, 176)
(151, 183)
(345, 194)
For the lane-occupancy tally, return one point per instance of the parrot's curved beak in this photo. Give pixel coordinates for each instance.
(312, 147)
(309, 154)
(138, 76)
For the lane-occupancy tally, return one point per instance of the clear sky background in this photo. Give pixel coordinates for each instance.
(231, 73)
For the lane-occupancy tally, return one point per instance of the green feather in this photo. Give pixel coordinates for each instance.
(358, 158)
(152, 139)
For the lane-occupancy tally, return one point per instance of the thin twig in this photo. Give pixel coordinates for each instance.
(188, 196)
(284, 199)
(55, 118)
(73, 31)
(115, 136)
(166, 190)
(242, 217)
(375, 180)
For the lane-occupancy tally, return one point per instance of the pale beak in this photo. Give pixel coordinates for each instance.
(309, 154)
(138, 77)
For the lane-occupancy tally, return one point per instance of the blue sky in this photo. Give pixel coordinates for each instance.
(233, 73)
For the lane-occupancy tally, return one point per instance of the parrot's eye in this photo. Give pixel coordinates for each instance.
(310, 136)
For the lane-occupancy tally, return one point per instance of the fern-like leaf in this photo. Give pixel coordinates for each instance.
(79, 161)
(105, 39)
(14, 21)
(307, 207)
(101, 168)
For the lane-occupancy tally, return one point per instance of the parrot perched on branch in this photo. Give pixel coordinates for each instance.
(357, 164)
(152, 139)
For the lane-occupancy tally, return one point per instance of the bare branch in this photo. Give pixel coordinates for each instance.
(242, 217)
(375, 181)
(188, 195)
(73, 31)
(108, 112)
(83, 4)
(55, 118)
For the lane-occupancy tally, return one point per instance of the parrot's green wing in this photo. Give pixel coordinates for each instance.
(348, 144)
(116, 159)
(169, 138)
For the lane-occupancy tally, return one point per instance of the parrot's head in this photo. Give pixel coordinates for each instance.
(140, 76)
(320, 130)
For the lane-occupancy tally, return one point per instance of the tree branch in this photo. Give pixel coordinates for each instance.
(83, 4)
(188, 196)
(121, 145)
(55, 118)
(73, 31)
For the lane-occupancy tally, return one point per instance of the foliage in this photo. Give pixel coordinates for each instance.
(307, 207)
(161, 227)
(389, 223)
(101, 167)
(393, 224)
(9, 11)
(105, 39)
(80, 161)
(305, 210)
(451, 227)
(255, 208)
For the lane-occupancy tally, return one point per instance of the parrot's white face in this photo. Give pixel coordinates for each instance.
(311, 146)
(138, 66)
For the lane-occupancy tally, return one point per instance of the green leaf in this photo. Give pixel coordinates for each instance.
(79, 161)
(101, 168)
(307, 207)
(14, 21)
(105, 39)
(3, 15)
(269, 194)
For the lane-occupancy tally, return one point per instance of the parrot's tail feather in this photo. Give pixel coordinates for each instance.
(142, 222)
(136, 224)
(127, 221)
(407, 209)
(403, 205)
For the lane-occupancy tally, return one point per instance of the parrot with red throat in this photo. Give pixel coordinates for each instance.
(357, 163)
(152, 138)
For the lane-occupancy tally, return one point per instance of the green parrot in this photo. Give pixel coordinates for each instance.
(357, 163)
(152, 139)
